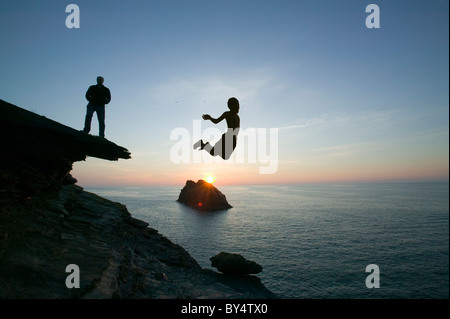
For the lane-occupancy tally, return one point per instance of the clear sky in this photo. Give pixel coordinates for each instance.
(349, 103)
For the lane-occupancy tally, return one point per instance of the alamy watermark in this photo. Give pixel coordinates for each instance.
(73, 280)
(373, 280)
(373, 19)
(73, 19)
(254, 145)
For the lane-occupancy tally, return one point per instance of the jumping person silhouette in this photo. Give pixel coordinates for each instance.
(226, 145)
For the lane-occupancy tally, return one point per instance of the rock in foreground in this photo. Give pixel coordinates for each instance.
(203, 196)
(234, 264)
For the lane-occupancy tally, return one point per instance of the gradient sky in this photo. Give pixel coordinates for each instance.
(350, 103)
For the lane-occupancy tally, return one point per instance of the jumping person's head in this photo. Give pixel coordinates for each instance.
(233, 105)
(100, 80)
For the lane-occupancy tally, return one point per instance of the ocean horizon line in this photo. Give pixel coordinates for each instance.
(331, 183)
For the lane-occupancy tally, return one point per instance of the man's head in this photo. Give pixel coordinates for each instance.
(233, 105)
(100, 80)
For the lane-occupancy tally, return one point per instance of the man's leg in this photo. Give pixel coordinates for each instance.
(101, 120)
(87, 121)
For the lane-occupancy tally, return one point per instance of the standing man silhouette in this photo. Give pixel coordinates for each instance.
(98, 96)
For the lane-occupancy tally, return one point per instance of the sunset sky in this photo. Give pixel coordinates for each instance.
(348, 103)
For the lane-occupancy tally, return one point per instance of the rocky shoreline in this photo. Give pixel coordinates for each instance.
(47, 223)
(118, 256)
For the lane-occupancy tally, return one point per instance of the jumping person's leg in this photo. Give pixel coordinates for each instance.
(225, 146)
(199, 144)
(207, 147)
(203, 146)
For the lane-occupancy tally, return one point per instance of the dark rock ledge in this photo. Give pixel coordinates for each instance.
(47, 222)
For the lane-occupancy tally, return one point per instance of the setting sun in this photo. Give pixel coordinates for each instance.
(210, 179)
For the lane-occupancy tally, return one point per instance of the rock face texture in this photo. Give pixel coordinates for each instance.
(203, 196)
(48, 223)
(37, 153)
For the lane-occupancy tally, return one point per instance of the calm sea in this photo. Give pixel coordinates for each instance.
(315, 241)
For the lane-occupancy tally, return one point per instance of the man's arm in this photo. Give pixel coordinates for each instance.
(88, 94)
(108, 96)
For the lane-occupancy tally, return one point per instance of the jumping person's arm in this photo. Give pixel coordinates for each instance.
(215, 121)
